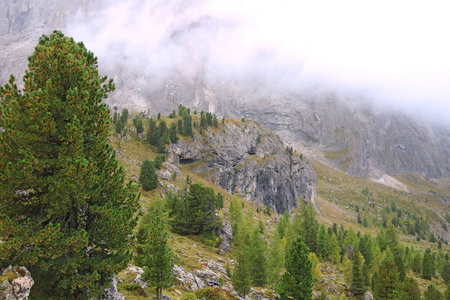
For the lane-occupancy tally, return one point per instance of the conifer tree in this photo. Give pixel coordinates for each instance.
(153, 133)
(187, 125)
(66, 212)
(119, 126)
(236, 217)
(410, 290)
(276, 258)
(387, 284)
(173, 133)
(426, 265)
(445, 272)
(124, 116)
(296, 282)
(152, 251)
(447, 293)
(257, 258)
(241, 277)
(432, 293)
(148, 177)
(138, 124)
(358, 282)
(323, 242)
(309, 227)
(180, 126)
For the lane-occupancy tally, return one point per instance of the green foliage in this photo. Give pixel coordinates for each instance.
(410, 290)
(323, 242)
(148, 177)
(187, 125)
(153, 133)
(358, 286)
(427, 268)
(188, 296)
(257, 258)
(276, 258)
(173, 133)
(137, 122)
(309, 226)
(296, 282)
(195, 212)
(124, 116)
(259, 139)
(445, 272)
(241, 278)
(66, 212)
(236, 217)
(119, 126)
(159, 159)
(387, 284)
(432, 293)
(152, 251)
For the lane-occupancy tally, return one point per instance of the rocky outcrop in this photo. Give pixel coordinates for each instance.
(248, 159)
(15, 283)
(226, 235)
(112, 293)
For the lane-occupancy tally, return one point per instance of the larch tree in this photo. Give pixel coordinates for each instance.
(297, 281)
(66, 212)
(241, 278)
(152, 251)
(358, 286)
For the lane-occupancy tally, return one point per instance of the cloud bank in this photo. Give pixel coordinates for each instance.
(395, 51)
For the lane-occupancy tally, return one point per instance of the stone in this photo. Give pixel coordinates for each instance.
(112, 293)
(368, 295)
(17, 288)
(226, 234)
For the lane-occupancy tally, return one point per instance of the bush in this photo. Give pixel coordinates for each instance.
(188, 296)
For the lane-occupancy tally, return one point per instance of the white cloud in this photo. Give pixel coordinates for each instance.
(397, 50)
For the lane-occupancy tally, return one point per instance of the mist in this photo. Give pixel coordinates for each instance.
(395, 52)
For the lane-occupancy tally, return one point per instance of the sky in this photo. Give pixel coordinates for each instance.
(398, 52)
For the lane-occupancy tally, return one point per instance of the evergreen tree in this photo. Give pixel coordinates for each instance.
(66, 212)
(153, 133)
(119, 126)
(236, 217)
(241, 278)
(173, 133)
(148, 177)
(447, 293)
(426, 265)
(164, 131)
(410, 290)
(152, 251)
(417, 263)
(296, 282)
(180, 126)
(432, 293)
(323, 242)
(139, 126)
(309, 227)
(215, 123)
(400, 264)
(387, 285)
(276, 257)
(187, 125)
(358, 286)
(159, 161)
(445, 273)
(334, 249)
(257, 258)
(124, 117)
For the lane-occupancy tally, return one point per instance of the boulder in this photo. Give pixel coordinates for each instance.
(15, 283)
(112, 293)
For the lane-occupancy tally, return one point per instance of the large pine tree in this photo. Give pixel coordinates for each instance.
(296, 282)
(66, 213)
(358, 286)
(241, 277)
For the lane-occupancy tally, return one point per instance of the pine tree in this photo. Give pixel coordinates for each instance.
(432, 293)
(153, 133)
(241, 278)
(236, 217)
(447, 293)
(323, 242)
(119, 126)
(400, 264)
(124, 116)
(309, 227)
(296, 282)
(426, 265)
(276, 258)
(152, 251)
(180, 126)
(257, 258)
(148, 177)
(387, 285)
(187, 125)
(358, 285)
(410, 290)
(445, 273)
(66, 212)
(173, 133)
(139, 126)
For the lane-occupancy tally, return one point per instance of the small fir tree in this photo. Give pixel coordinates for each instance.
(152, 251)
(410, 290)
(358, 286)
(241, 277)
(148, 177)
(296, 282)
(432, 293)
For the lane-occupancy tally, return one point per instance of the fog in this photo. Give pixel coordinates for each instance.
(397, 52)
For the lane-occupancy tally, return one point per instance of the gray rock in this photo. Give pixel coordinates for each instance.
(368, 295)
(165, 297)
(226, 234)
(112, 293)
(18, 288)
(260, 172)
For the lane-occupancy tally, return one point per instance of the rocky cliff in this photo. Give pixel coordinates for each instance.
(247, 158)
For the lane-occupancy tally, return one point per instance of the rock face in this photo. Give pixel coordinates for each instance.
(112, 293)
(247, 158)
(226, 234)
(15, 283)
